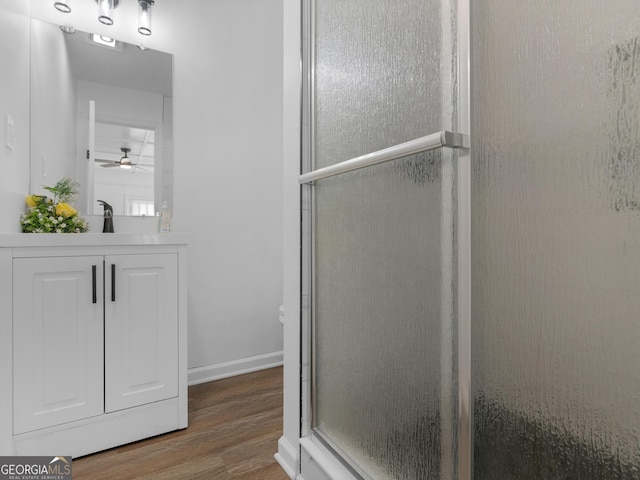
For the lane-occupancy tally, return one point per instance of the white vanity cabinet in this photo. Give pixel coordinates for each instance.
(141, 330)
(97, 332)
(58, 341)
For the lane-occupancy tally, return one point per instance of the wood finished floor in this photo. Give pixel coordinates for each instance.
(234, 427)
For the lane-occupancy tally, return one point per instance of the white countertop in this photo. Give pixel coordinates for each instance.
(12, 240)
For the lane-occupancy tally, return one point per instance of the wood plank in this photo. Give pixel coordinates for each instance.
(234, 427)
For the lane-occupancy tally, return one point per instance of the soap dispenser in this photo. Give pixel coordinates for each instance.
(164, 222)
(108, 217)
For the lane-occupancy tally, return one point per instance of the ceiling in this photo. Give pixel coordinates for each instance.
(109, 139)
(136, 69)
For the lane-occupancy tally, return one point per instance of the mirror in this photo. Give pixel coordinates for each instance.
(95, 110)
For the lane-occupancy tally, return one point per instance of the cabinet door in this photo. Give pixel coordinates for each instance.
(141, 329)
(57, 340)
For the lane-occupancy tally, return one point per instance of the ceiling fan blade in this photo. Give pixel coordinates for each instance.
(114, 163)
(107, 163)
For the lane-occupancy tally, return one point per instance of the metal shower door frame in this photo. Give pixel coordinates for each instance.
(463, 222)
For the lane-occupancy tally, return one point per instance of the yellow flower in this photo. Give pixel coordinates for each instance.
(31, 200)
(65, 210)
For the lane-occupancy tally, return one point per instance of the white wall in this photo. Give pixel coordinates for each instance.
(14, 100)
(53, 109)
(118, 187)
(228, 174)
(228, 166)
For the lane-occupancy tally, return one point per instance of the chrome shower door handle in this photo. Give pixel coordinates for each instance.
(440, 139)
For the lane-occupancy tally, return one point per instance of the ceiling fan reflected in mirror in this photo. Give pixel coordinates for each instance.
(124, 162)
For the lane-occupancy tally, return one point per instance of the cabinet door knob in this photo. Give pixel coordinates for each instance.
(113, 282)
(95, 289)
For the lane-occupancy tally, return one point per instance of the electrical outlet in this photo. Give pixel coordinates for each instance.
(9, 133)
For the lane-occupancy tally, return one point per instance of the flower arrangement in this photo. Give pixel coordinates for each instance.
(45, 215)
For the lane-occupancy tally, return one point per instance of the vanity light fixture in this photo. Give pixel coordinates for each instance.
(63, 5)
(105, 10)
(144, 16)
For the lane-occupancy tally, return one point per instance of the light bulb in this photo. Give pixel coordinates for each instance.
(63, 5)
(105, 11)
(144, 17)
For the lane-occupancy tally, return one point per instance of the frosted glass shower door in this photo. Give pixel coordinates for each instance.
(556, 239)
(382, 277)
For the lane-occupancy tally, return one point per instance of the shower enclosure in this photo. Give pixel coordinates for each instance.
(471, 240)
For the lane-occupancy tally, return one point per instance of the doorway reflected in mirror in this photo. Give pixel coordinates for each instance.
(124, 157)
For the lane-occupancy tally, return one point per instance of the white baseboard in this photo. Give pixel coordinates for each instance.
(288, 457)
(208, 373)
(316, 463)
